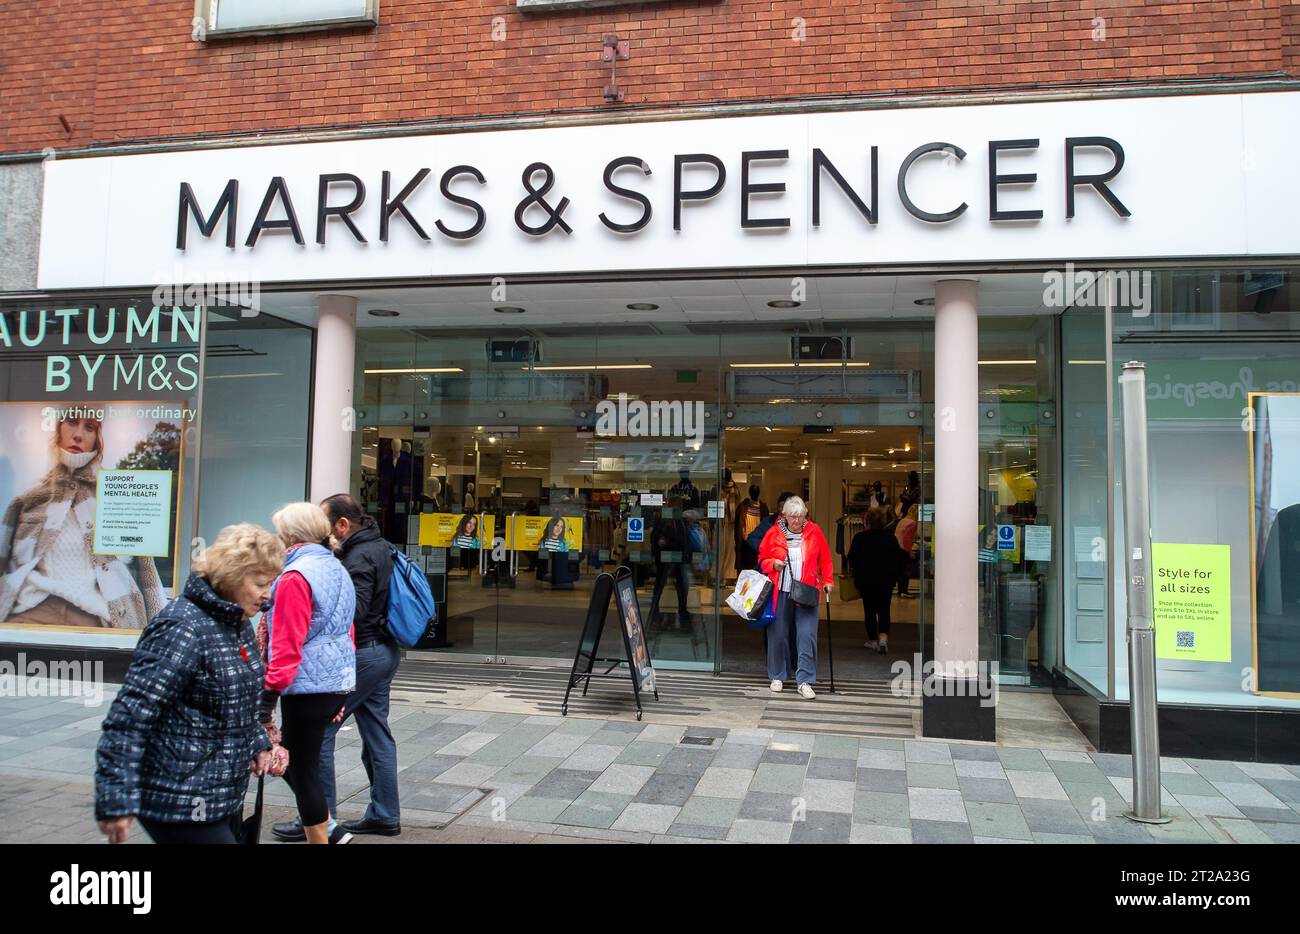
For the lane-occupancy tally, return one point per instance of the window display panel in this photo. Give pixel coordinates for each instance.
(1222, 354)
(1275, 518)
(1018, 496)
(98, 420)
(257, 406)
(575, 450)
(1084, 496)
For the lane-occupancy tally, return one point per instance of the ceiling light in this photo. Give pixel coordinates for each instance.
(773, 366)
(1008, 363)
(508, 310)
(924, 302)
(592, 366)
(1086, 362)
(783, 303)
(382, 312)
(415, 369)
(643, 306)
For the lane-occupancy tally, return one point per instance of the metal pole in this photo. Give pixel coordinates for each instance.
(1141, 635)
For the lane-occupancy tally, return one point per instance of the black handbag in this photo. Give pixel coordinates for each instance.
(804, 594)
(251, 828)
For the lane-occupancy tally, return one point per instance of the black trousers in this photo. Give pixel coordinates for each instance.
(305, 718)
(680, 573)
(225, 830)
(875, 606)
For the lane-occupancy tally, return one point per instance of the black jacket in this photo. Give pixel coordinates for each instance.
(670, 535)
(366, 556)
(182, 732)
(875, 559)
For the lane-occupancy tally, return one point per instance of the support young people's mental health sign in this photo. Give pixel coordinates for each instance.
(133, 511)
(1192, 601)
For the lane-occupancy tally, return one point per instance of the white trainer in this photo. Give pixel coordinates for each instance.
(776, 687)
(806, 692)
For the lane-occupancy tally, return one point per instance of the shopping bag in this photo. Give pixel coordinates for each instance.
(848, 589)
(753, 592)
(250, 829)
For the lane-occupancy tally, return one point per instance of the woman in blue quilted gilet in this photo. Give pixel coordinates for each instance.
(311, 658)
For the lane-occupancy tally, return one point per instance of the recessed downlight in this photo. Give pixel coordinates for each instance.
(508, 310)
(382, 312)
(783, 303)
(642, 306)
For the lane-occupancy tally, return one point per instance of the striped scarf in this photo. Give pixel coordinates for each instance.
(794, 555)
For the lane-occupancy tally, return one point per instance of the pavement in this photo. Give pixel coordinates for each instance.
(481, 776)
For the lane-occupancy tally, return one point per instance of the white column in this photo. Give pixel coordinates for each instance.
(956, 478)
(827, 492)
(333, 420)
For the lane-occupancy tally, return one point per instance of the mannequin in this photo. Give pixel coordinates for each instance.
(751, 512)
(435, 493)
(731, 505)
(471, 503)
(394, 467)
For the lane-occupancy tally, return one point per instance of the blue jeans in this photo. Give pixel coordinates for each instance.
(794, 631)
(368, 705)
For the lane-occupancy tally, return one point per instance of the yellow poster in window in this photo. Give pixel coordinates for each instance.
(557, 534)
(1192, 601)
(461, 530)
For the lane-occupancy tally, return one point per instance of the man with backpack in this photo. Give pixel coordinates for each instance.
(367, 557)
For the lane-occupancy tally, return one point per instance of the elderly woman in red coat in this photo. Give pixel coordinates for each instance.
(797, 559)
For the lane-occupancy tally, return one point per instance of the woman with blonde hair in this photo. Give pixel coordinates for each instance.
(49, 573)
(311, 657)
(182, 734)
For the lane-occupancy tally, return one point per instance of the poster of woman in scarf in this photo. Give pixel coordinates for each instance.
(90, 494)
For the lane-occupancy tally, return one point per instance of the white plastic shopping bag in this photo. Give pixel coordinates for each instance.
(752, 592)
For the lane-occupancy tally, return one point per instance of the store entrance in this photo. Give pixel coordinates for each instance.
(543, 456)
(842, 473)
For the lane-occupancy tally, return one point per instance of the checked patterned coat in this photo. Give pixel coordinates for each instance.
(182, 732)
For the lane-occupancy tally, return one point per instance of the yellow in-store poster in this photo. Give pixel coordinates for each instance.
(556, 533)
(462, 530)
(1192, 600)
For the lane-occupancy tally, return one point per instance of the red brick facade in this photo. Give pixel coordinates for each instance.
(118, 70)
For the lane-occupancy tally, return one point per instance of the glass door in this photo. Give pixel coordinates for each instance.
(613, 461)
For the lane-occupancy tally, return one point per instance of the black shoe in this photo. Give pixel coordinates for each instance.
(340, 835)
(372, 826)
(290, 830)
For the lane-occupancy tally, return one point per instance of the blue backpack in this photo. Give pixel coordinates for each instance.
(410, 602)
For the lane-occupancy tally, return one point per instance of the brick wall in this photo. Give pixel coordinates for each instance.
(128, 69)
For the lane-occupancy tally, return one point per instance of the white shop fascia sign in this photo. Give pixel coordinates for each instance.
(1144, 178)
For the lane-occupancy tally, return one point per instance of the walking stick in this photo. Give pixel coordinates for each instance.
(830, 642)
